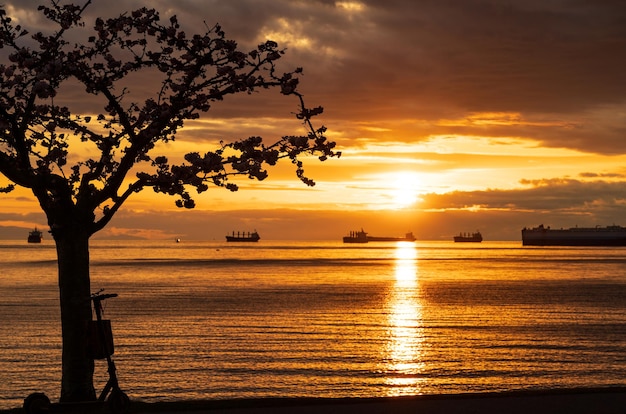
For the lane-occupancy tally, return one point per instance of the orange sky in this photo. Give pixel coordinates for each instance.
(451, 116)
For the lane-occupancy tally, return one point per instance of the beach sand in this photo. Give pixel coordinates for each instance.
(578, 401)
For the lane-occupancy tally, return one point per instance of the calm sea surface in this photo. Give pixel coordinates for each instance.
(211, 320)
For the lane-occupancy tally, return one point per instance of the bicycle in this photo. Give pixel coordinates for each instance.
(101, 347)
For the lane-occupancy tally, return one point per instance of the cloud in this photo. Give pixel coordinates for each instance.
(427, 58)
(547, 195)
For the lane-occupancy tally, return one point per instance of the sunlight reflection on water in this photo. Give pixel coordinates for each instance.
(405, 349)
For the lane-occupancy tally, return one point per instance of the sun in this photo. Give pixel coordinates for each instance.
(403, 189)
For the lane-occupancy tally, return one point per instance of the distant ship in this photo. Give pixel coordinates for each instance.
(244, 237)
(407, 237)
(362, 237)
(468, 237)
(575, 236)
(356, 237)
(35, 236)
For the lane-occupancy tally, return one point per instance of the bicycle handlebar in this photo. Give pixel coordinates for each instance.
(98, 296)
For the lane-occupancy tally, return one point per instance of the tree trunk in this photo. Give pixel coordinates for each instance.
(74, 288)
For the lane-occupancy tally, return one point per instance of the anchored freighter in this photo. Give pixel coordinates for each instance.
(362, 237)
(475, 237)
(356, 237)
(244, 237)
(407, 237)
(35, 236)
(575, 236)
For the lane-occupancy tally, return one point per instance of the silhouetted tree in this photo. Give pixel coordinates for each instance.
(40, 140)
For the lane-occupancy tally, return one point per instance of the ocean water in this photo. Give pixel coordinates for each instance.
(217, 320)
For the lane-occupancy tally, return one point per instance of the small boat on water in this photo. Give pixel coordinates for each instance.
(243, 237)
(35, 236)
(356, 237)
(475, 237)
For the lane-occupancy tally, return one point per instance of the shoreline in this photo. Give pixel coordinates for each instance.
(608, 400)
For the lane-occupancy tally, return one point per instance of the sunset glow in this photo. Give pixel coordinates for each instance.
(525, 128)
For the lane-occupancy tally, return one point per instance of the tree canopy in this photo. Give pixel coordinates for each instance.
(196, 71)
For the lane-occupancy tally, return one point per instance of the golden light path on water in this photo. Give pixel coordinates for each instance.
(406, 333)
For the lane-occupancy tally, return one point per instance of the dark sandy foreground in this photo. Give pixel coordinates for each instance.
(587, 401)
(576, 401)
